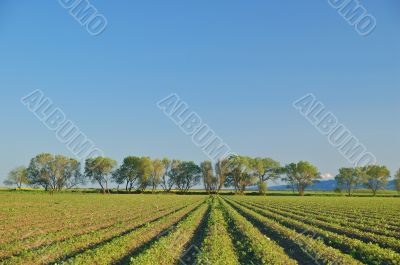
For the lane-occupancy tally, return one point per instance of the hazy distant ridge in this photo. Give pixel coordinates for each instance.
(326, 185)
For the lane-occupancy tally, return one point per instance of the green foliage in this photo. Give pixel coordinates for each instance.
(85, 228)
(221, 173)
(186, 175)
(38, 170)
(127, 173)
(144, 172)
(253, 244)
(327, 246)
(158, 170)
(264, 169)
(54, 172)
(209, 180)
(170, 171)
(375, 177)
(237, 172)
(349, 178)
(18, 176)
(167, 249)
(301, 175)
(240, 174)
(217, 247)
(162, 229)
(99, 170)
(262, 188)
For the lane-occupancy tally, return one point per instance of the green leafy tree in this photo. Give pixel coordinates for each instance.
(99, 170)
(54, 172)
(128, 172)
(188, 174)
(39, 171)
(18, 176)
(349, 178)
(64, 172)
(291, 182)
(56, 168)
(144, 171)
(118, 177)
(170, 175)
(222, 172)
(264, 169)
(72, 176)
(240, 173)
(375, 177)
(301, 175)
(288, 178)
(158, 170)
(209, 179)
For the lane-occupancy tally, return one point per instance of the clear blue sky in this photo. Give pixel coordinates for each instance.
(239, 64)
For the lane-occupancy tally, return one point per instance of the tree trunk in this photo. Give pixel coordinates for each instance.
(108, 191)
(301, 190)
(102, 188)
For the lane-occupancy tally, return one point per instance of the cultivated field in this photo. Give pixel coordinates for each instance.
(68, 228)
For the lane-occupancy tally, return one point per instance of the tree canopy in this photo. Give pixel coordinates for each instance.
(54, 172)
(187, 175)
(18, 176)
(301, 175)
(57, 172)
(375, 177)
(99, 170)
(349, 178)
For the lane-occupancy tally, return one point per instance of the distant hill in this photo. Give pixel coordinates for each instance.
(391, 185)
(329, 184)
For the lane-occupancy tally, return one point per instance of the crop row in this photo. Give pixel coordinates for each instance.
(368, 253)
(62, 233)
(354, 209)
(119, 249)
(217, 247)
(334, 218)
(207, 230)
(259, 247)
(313, 249)
(383, 241)
(86, 242)
(114, 225)
(169, 248)
(61, 217)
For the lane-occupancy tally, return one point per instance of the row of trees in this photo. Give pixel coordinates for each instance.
(143, 172)
(55, 173)
(48, 171)
(373, 177)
